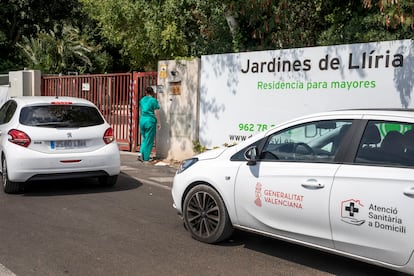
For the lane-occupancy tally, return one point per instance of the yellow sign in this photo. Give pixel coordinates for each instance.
(163, 71)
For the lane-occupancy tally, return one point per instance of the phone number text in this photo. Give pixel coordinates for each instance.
(254, 127)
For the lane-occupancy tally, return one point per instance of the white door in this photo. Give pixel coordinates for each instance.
(373, 201)
(287, 192)
(279, 198)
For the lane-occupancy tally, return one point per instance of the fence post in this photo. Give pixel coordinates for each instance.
(134, 111)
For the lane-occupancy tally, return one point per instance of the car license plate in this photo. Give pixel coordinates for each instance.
(67, 144)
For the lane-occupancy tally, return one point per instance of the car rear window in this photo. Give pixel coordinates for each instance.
(60, 116)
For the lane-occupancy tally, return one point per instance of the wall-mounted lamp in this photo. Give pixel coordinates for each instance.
(174, 76)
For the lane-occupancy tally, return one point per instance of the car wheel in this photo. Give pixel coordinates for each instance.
(9, 187)
(205, 215)
(108, 181)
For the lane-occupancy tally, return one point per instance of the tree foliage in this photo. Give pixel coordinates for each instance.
(395, 13)
(20, 18)
(58, 51)
(147, 31)
(276, 24)
(351, 22)
(132, 35)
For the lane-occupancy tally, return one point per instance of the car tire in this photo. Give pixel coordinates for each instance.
(205, 215)
(9, 187)
(108, 181)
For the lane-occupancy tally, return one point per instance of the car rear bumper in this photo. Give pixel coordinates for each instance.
(71, 175)
(24, 165)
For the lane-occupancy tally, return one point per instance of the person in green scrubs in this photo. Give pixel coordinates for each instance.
(148, 122)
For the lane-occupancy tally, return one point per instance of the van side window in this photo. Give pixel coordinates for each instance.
(389, 143)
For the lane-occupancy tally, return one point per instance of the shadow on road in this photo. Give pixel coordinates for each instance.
(77, 186)
(322, 261)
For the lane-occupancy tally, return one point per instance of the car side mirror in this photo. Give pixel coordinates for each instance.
(251, 155)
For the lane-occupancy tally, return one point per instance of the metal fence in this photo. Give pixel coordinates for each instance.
(116, 95)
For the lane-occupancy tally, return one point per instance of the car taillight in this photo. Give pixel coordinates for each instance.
(109, 136)
(19, 138)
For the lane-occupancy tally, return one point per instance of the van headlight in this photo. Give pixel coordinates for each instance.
(185, 164)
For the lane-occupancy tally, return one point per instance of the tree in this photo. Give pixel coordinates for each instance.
(128, 35)
(122, 23)
(395, 13)
(58, 51)
(25, 18)
(277, 24)
(352, 22)
(147, 31)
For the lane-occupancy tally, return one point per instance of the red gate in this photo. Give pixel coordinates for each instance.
(141, 81)
(116, 95)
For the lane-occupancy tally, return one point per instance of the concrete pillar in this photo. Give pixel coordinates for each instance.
(178, 95)
(25, 83)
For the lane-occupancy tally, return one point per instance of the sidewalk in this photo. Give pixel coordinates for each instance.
(153, 173)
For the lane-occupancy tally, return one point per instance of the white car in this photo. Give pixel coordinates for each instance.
(55, 138)
(340, 181)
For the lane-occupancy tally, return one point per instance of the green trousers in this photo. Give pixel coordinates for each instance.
(148, 129)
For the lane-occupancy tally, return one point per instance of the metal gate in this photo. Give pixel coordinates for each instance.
(116, 95)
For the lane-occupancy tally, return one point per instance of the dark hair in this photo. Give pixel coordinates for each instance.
(149, 90)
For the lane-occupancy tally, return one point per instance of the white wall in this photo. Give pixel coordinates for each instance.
(25, 83)
(245, 93)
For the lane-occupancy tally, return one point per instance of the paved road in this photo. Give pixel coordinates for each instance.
(79, 228)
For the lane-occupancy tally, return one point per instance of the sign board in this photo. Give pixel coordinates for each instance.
(244, 93)
(86, 86)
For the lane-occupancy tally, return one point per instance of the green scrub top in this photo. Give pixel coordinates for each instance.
(148, 105)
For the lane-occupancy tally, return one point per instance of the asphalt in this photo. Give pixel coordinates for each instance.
(157, 172)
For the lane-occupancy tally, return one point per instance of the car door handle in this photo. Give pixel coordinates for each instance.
(409, 192)
(312, 184)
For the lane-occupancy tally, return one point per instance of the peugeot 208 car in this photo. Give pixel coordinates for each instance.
(339, 181)
(44, 138)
